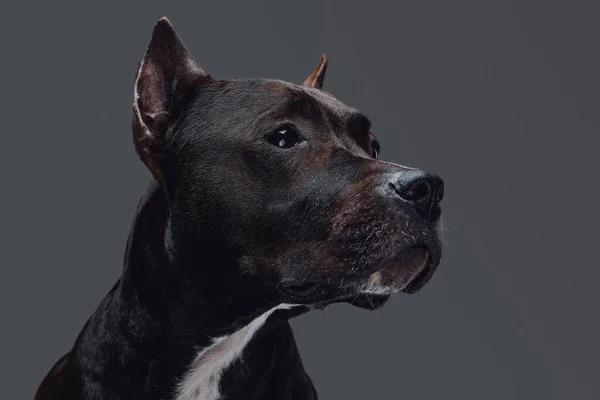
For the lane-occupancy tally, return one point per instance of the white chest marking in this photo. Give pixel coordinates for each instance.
(201, 381)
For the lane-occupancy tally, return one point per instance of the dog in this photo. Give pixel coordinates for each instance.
(267, 200)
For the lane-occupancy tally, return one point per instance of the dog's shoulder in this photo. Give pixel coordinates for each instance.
(52, 380)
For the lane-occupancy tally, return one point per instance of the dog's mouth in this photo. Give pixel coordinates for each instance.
(378, 292)
(409, 272)
(424, 274)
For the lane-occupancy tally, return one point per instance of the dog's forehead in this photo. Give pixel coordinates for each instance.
(323, 98)
(330, 101)
(273, 92)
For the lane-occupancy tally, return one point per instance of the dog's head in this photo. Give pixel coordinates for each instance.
(284, 179)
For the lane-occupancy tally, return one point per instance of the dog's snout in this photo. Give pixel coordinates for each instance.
(422, 189)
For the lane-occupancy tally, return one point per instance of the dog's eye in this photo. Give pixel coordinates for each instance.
(284, 138)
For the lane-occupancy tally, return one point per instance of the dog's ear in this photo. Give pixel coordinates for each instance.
(166, 77)
(315, 80)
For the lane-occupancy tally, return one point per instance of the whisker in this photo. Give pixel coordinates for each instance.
(369, 298)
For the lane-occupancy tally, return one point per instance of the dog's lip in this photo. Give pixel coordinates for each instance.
(423, 265)
(422, 257)
(409, 256)
(418, 280)
(422, 260)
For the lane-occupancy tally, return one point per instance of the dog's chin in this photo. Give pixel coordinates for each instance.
(408, 272)
(369, 301)
(319, 297)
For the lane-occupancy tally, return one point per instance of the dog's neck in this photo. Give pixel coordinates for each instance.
(179, 334)
(202, 290)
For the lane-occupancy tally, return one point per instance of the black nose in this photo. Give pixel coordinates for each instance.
(422, 189)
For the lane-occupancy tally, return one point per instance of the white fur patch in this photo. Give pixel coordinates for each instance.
(374, 286)
(201, 381)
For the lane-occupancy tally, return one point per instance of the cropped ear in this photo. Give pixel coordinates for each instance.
(164, 83)
(315, 80)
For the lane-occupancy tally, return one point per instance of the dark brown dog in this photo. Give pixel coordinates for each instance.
(268, 201)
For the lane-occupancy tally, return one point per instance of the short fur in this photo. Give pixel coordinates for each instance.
(237, 234)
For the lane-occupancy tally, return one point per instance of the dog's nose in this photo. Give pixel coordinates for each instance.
(422, 189)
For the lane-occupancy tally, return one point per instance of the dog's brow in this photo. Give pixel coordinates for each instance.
(306, 107)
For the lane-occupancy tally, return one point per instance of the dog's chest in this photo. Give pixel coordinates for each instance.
(201, 380)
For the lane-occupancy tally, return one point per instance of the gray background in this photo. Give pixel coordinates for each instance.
(500, 98)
